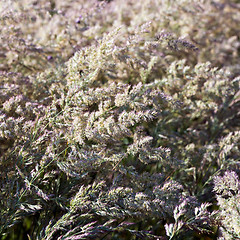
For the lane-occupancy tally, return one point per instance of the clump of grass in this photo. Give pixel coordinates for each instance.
(119, 120)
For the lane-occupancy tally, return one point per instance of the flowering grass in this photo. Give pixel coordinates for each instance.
(119, 119)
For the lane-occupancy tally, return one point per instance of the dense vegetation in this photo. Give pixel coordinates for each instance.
(119, 119)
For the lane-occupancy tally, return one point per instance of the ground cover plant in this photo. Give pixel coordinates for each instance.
(119, 119)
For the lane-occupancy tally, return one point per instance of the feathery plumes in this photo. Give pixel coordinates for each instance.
(228, 196)
(118, 118)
